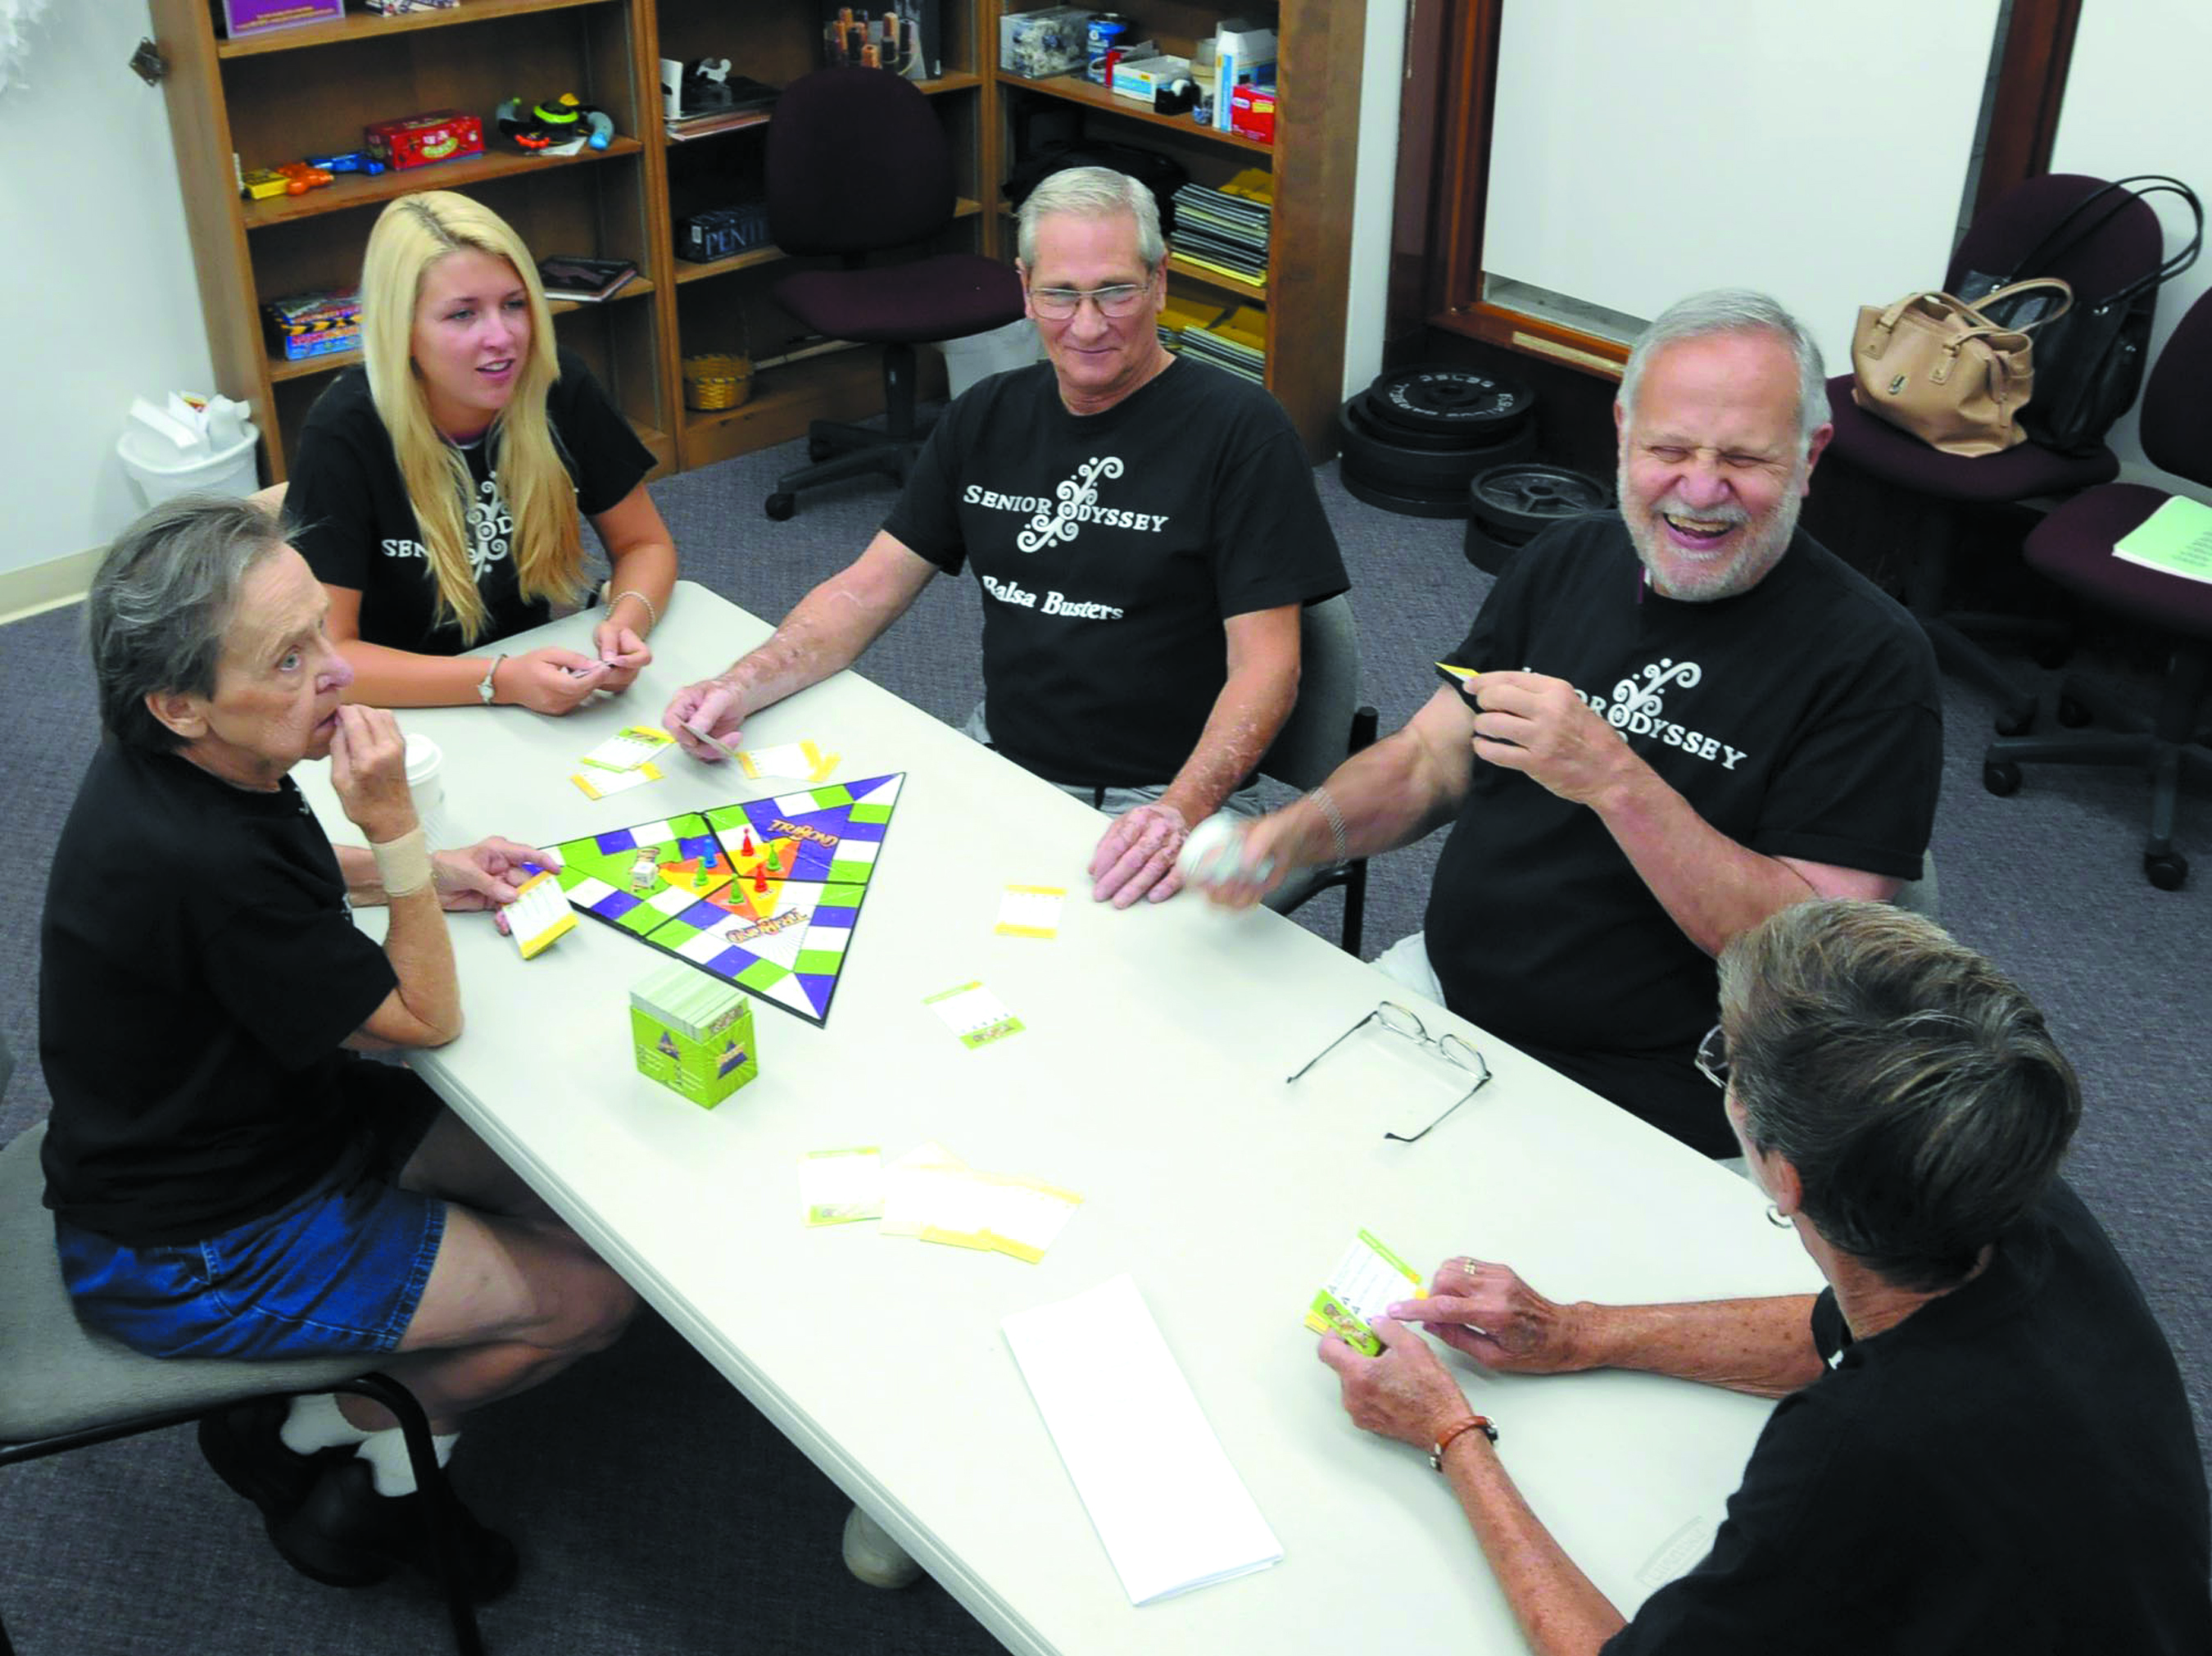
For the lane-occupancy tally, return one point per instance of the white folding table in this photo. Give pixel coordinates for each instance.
(1150, 1079)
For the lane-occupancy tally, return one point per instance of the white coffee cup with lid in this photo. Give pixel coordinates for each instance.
(425, 764)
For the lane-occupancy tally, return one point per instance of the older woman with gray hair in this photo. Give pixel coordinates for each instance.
(227, 1178)
(1982, 1442)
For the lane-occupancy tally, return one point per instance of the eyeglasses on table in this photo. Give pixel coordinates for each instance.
(1712, 1057)
(1401, 1020)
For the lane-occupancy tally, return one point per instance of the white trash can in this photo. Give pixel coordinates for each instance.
(979, 355)
(159, 473)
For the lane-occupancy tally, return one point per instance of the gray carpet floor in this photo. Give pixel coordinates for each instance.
(657, 1511)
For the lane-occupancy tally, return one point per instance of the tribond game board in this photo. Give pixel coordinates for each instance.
(764, 893)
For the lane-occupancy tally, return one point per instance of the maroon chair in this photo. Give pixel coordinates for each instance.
(858, 164)
(2118, 247)
(2074, 547)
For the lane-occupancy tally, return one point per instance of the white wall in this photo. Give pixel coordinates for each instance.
(2136, 103)
(105, 305)
(1383, 78)
(1816, 152)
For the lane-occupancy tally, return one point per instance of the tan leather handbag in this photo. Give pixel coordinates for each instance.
(1934, 365)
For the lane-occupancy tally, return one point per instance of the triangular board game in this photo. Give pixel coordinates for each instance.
(763, 892)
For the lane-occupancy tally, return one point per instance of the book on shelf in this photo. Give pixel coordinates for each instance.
(722, 120)
(1237, 343)
(573, 276)
(1225, 231)
(1179, 315)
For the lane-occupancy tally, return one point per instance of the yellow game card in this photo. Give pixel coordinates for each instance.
(540, 916)
(1366, 1279)
(627, 748)
(837, 1187)
(1030, 911)
(602, 784)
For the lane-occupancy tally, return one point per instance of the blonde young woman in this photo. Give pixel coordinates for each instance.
(440, 489)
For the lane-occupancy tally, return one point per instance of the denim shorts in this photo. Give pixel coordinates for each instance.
(337, 1269)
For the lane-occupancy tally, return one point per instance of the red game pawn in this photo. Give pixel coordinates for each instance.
(760, 882)
(746, 848)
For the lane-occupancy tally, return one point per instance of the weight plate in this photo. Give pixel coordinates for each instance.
(1527, 496)
(1405, 505)
(1449, 399)
(1487, 552)
(1361, 411)
(1387, 464)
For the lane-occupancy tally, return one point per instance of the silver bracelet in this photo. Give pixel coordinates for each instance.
(652, 614)
(1337, 840)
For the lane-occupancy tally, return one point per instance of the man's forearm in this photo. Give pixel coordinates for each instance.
(1247, 715)
(1560, 1609)
(1387, 795)
(829, 627)
(1763, 1347)
(1710, 886)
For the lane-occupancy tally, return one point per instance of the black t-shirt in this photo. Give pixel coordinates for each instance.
(1110, 548)
(2011, 1470)
(357, 529)
(1799, 719)
(199, 970)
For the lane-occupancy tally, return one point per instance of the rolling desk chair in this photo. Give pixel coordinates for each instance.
(2120, 247)
(2074, 547)
(857, 163)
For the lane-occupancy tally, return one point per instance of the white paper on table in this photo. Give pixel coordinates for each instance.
(908, 1184)
(1024, 1217)
(1167, 1505)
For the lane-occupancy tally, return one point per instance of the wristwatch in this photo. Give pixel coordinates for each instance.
(1474, 1423)
(485, 691)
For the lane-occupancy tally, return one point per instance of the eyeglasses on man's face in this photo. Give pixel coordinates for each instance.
(1401, 1021)
(1114, 302)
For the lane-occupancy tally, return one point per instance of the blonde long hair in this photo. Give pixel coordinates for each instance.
(411, 236)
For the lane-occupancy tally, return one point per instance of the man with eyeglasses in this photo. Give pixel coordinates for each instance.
(1144, 531)
(1676, 718)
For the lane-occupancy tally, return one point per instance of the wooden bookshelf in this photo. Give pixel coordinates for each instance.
(271, 97)
(1320, 48)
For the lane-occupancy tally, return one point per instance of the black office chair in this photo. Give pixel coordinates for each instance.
(1328, 724)
(2116, 248)
(2074, 547)
(858, 164)
(63, 1387)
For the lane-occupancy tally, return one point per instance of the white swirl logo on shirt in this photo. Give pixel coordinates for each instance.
(490, 530)
(1638, 707)
(1063, 521)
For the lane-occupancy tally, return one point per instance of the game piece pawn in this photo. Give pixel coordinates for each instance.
(760, 882)
(746, 848)
(775, 862)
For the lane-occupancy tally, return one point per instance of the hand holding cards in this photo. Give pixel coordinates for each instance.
(1366, 1279)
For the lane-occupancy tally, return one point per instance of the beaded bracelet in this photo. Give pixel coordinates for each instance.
(653, 616)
